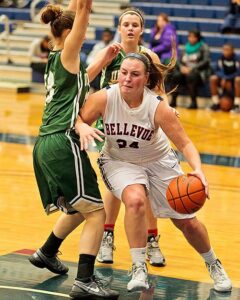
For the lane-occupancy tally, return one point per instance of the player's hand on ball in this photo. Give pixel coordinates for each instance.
(201, 176)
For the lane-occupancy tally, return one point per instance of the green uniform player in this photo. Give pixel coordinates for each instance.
(64, 174)
(73, 181)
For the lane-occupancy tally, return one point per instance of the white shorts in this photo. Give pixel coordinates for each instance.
(155, 176)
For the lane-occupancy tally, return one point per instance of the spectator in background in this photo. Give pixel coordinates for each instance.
(232, 21)
(162, 37)
(106, 39)
(39, 50)
(226, 77)
(193, 68)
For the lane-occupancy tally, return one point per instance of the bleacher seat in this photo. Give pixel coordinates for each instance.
(197, 2)
(16, 13)
(37, 77)
(156, 10)
(219, 2)
(203, 13)
(178, 1)
(182, 12)
(2, 27)
(88, 45)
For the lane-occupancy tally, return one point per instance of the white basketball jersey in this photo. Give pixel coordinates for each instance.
(130, 132)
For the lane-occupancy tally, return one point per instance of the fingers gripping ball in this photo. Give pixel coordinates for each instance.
(186, 194)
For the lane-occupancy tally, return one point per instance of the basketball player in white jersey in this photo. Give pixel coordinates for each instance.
(130, 28)
(137, 161)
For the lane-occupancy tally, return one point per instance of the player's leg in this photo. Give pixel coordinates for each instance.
(128, 183)
(46, 256)
(112, 207)
(134, 199)
(86, 284)
(86, 199)
(196, 234)
(194, 231)
(153, 252)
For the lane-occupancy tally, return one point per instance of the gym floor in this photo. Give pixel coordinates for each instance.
(24, 225)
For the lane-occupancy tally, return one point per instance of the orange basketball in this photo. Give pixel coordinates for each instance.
(186, 194)
(226, 103)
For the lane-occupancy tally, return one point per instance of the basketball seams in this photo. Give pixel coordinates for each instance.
(172, 198)
(187, 185)
(180, 195)
(189, 194)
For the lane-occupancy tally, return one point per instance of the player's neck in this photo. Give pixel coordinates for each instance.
(130, 47)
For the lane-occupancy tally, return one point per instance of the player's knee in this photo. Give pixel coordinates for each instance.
(186, 225)
(97, 216)
(134, 201)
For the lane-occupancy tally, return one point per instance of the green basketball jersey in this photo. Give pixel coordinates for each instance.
(66, 93)
(110, 73)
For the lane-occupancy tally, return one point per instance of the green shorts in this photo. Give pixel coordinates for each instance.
(65, 177)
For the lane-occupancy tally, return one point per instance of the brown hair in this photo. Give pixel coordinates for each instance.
(157, 72)
(59, 20)
(164, 17)
(132, 11)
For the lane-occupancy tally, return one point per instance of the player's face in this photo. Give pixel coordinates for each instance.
(130, 28)
(132, 77)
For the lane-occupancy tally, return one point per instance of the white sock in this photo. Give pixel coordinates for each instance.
(215, 99)
(237, 100)
(209, 257)
(138, 254)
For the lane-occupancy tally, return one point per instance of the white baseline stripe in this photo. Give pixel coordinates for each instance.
(33, 290)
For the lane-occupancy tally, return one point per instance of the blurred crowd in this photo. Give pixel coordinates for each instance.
(194, 69)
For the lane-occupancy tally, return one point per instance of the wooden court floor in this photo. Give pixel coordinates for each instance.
(24, 225)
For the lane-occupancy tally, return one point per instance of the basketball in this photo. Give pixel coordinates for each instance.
(226, 103)
(186, 194)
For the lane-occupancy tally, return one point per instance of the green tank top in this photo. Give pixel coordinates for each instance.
(110, 73)
(66, 93)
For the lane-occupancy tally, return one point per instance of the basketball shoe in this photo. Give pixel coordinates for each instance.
(53, 264)
(153, 252)
(93, 287)
(139, 279)
(105, 253)
(221, 281)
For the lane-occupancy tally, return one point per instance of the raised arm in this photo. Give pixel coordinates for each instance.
(72, 5)
(102, 59)
(73, 43)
